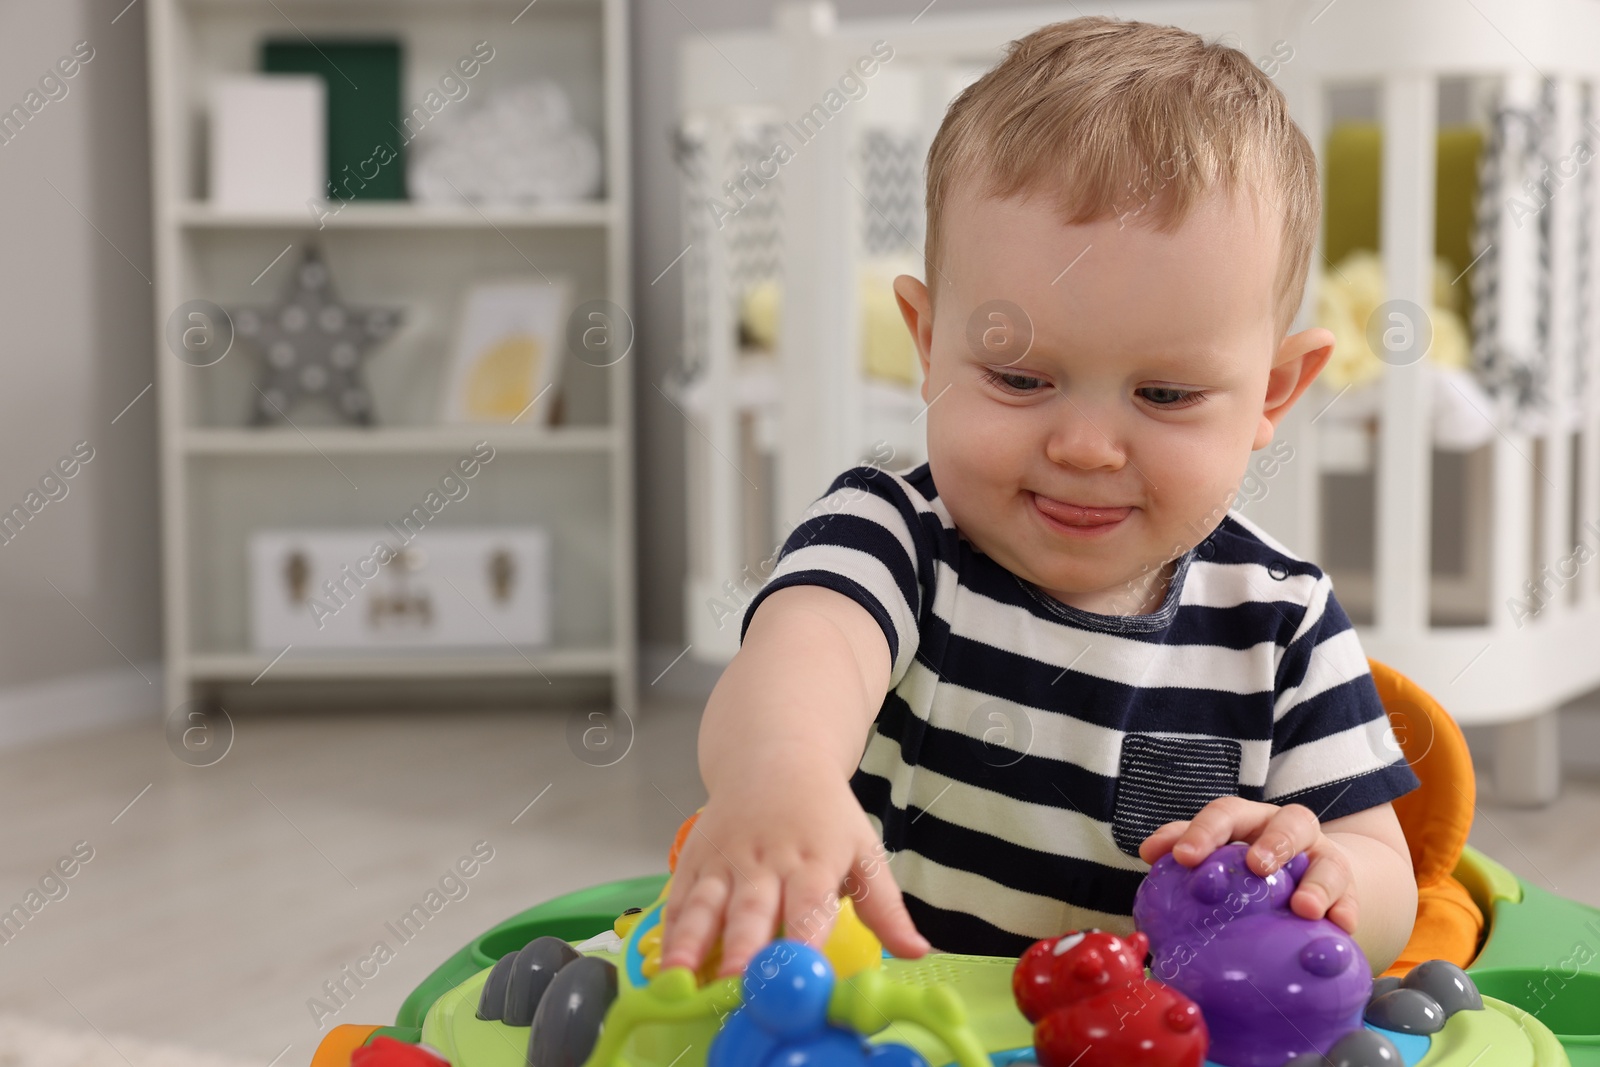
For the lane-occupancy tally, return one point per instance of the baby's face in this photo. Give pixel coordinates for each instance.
(1095, 391)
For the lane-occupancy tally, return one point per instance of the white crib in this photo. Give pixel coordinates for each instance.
(769, 429)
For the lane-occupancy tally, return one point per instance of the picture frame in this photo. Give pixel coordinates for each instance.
(508, 354)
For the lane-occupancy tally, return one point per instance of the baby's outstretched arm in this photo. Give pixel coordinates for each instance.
(781, 830)
(1360, 874)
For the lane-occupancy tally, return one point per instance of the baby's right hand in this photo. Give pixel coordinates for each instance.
(774, 844)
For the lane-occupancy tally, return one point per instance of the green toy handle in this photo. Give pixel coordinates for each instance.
(869, 1001)
(670, 997)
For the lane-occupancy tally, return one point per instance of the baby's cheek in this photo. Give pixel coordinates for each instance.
(1193, 487)
(975, 456)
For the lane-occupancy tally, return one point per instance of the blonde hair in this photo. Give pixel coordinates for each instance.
(1122, 118)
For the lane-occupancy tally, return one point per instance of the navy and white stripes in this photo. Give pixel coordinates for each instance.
(1026, 747)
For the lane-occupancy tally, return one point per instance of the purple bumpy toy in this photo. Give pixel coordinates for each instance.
(1270, 984)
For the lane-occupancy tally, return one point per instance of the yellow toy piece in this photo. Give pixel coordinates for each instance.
(650, 949)
(851, 947)
(626, 922)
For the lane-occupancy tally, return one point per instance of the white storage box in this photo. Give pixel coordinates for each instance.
(481, 587)
(269, 137)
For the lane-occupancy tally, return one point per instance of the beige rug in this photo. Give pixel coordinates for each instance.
(24, 1043)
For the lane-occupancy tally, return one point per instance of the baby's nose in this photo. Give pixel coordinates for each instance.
(1083, 441)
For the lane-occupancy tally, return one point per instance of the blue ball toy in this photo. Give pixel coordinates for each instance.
(783, 1021)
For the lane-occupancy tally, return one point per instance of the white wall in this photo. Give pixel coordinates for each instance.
(79, 585)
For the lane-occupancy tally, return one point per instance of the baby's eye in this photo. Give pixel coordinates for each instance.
(1168, 397)
(1020, 383)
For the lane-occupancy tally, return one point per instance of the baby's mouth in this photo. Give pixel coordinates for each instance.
(1069, 514)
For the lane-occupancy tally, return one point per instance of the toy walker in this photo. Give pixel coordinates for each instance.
(1498, 973)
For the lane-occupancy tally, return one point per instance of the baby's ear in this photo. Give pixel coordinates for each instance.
(1300, 359)
(916, 307)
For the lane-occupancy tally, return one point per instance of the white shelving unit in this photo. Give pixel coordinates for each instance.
(221, 479)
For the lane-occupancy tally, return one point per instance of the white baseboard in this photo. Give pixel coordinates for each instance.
(689, 680)
(79, 703)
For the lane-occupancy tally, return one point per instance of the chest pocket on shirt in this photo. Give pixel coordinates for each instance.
(1163, 779)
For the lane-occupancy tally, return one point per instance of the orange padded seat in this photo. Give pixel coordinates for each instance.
(1436, 817)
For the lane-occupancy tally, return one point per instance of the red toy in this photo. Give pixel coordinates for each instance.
(387, 1052)
(1093, 1006)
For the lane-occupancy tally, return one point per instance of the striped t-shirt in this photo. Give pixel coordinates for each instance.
(1026, 747)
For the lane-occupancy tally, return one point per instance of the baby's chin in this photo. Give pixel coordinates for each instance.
(1120, 588)
(1113, 567)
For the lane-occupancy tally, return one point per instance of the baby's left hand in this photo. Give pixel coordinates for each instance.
(1276, 835)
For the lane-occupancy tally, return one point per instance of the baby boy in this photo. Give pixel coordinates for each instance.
(981, 696)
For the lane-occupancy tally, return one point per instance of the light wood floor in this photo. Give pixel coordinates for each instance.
(220, 902)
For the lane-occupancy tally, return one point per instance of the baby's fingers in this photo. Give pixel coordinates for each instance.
(752, 917)
(1291, 830)
(1160, 843)
(880, 905)
(1327, 888)
(691, 918)
(810, 906)
(1219, 822)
